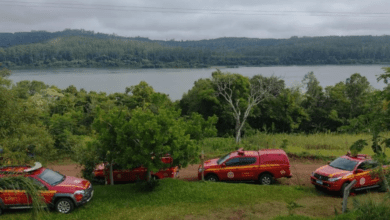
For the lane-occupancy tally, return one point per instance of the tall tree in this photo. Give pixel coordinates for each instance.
(357, 88)
(242, 94)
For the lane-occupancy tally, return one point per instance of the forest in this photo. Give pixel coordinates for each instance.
(80, 48)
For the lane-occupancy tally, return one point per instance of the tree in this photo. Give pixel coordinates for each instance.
(357, 88)
(108, 126)
(22, 139)
(148, 136)
(21, 131)
(243, 94)
(284, 113)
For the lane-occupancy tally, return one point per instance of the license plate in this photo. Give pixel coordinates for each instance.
(319, 182)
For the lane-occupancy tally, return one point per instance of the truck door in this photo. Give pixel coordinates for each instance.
(248, 168)
(47, 195)
(364, 179)
(10, 197)
(231, 170)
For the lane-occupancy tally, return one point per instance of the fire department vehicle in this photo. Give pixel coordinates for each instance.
(60, 192)
(343, 170)
(120, 175)
(264, 166)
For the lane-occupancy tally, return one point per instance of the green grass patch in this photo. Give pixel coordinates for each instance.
(321, 145)
(175, 199)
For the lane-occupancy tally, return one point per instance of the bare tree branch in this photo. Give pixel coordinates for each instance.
(261, 88)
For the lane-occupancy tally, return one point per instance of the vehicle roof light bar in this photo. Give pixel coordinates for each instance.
(36, 166)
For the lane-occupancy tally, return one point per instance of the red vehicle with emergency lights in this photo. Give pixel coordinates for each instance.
(339, 173)
(120, 175)
(263, 166)
(60, 192)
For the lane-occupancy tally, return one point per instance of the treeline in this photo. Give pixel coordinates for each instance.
(43, 121)
(18, 38)
(80, 48)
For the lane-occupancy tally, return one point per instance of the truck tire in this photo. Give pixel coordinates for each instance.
(64, 205)
(266, 179)
(211, 178)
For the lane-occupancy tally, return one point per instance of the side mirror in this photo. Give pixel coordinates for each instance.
(359, 171)
(223, 165)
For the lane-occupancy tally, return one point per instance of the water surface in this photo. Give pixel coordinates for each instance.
(175, 82)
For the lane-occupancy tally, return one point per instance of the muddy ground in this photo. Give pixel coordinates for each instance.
(301, 170)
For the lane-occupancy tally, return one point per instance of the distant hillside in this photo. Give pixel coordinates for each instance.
(17, 38)
(80, 48)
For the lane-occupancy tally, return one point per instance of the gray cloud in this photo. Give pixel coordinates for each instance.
(202, 19)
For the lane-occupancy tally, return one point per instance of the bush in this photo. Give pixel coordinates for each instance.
(145, 186)
(370, 209)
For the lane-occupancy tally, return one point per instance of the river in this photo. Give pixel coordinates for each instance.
(175, 82)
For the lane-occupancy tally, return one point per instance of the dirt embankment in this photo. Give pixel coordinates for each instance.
(301, 170)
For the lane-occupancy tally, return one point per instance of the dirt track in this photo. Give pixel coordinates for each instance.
(301, 170)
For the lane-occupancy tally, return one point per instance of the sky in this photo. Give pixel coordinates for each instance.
(200, 19)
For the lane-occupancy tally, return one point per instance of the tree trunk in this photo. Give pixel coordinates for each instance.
(111, 174)
(238, 131)
(148, 175)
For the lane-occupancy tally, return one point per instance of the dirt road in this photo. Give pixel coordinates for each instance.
(301, 170)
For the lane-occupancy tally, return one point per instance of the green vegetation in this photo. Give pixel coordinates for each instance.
(41, 122)
(80, 48)
(176, 199)
(319, 145)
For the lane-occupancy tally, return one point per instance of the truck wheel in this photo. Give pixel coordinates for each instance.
(211, 177)
(266, 179)
(64, 206)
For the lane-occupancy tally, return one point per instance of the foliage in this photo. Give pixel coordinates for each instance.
(242, 94)
(147, 134)
(357, 146)
(32, 191)
(369, 209)
(148, 186)
(81, 48)
(22, 134)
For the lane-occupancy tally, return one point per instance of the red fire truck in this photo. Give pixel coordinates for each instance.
(343, 170)
(263, 166)
(59, 191)
(101, 172)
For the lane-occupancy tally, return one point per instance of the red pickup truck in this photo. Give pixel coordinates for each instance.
(263, 166)
(121, 175)
(343, 170)
(59, 191)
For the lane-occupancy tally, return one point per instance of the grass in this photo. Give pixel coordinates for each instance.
(321, 145)
(176, 199)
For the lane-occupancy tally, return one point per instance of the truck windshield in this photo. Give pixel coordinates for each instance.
(51, 177)
(222, 159)
(343, 164)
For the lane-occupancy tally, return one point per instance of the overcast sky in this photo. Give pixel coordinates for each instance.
(200, 19)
